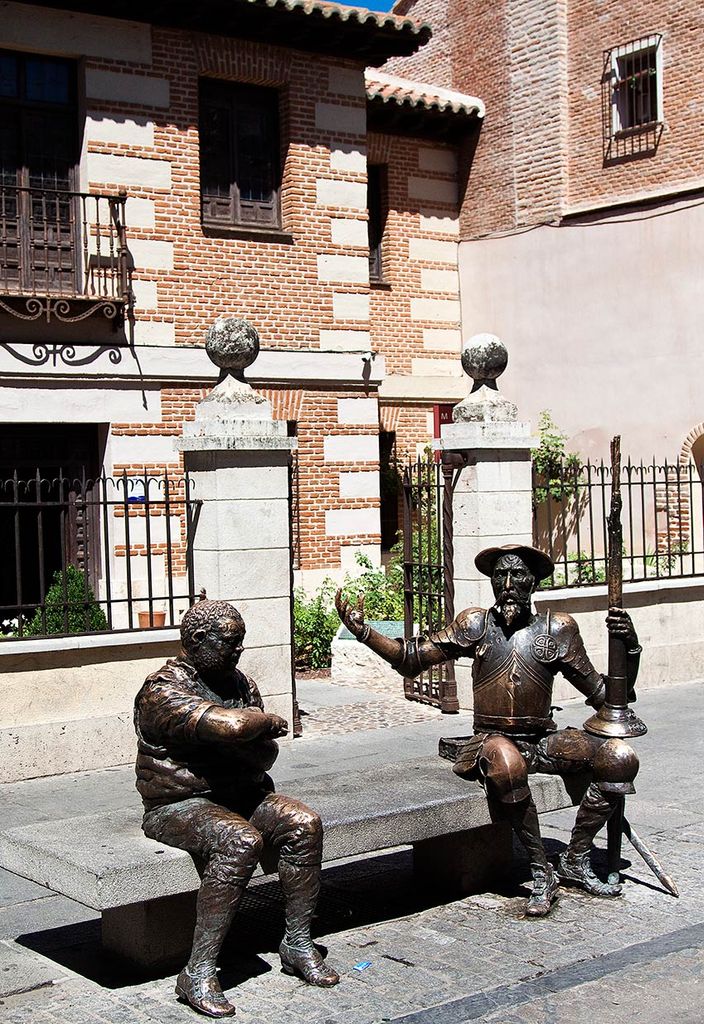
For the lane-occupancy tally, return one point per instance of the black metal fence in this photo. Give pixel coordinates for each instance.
(88, 554)
(428, 581)
(663, 520)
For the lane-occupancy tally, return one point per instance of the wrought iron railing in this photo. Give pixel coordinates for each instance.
(63, 255)
(663, 520)
(85, 554)
(428, 571)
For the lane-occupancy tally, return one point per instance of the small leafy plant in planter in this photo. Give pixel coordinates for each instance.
(82, 613)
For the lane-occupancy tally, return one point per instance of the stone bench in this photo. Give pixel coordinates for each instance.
(145, 890)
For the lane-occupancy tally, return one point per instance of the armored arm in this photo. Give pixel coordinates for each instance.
(578, 669)
(410, 657)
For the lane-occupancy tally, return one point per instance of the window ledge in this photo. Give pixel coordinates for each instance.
(380, 286)
(638, 129)
(248, 233)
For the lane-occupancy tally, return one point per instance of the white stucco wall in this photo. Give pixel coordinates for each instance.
(603, 323)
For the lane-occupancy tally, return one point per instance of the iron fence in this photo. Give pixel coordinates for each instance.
(428, 580)
(95, 554)
(63, 255)
(663, 520)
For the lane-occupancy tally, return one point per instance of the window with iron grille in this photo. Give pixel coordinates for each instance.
(240, 163)
(377, 207)
(636, 84)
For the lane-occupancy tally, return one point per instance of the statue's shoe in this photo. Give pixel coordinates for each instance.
(544, 894)
(577, 870)
(308, 964)
(203, 994)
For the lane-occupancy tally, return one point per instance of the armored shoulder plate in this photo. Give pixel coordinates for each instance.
(565, 631)
(466, 630)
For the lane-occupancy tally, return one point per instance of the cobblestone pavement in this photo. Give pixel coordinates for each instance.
(382, 714)
(438, 961)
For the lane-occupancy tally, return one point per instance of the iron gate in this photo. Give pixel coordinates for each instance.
(428, 578)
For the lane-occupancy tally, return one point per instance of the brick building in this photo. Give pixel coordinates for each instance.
(170, 164)
(582, 229)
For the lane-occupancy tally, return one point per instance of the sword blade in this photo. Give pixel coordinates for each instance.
(649, 858)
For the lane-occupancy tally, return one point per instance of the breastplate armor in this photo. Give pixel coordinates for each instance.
(512, 686)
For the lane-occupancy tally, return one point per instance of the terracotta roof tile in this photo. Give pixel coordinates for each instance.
(403, 91)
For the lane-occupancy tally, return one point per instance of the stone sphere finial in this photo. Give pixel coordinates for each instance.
(232, 344)
(484, 358)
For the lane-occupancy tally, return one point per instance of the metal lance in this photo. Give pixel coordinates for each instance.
(615, 718)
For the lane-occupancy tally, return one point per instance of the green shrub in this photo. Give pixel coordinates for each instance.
(315, 623)
(83, 614)
(382, 590)
(556, 470)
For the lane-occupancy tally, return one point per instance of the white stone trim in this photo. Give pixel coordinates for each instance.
(348, 159)
(442, 160)
(432, 250)
(71, 402)
(432, 280)
(339, 117)
(125, 87)
(344, 231)
(436, 367)
(436, 310)
(364, 484)
(402, 387)
(69, 34)
(358, 411)
(180, 364)
(102, 168)
(140, 213)
(351, 522)
(345, 341)
(346, 82)
(439, 222)
(352, 269)
(128, 132)
(434, 189)
(346, 195)
(151, 254)
(442, 339)
(351, 448)
(145, 294)
(129, 449)
(154, 332)
(350, 305)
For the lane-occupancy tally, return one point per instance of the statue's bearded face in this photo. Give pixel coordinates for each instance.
(512, 583)
(216, 648)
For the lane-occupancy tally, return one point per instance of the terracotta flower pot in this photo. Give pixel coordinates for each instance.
(146, 620)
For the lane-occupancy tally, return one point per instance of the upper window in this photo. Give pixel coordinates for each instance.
(636, 83)
(240, 164)
(377, 208)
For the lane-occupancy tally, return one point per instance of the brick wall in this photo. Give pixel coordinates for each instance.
(538, 67)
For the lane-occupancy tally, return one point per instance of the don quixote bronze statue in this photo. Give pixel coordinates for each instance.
(516, 655)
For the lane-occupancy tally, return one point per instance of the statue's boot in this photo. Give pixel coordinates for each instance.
(218, 898)
(524, 822)
(301, 885)
(203, 994)
(574, 866)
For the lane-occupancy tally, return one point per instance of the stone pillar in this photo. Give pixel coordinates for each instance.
(492, 503)
(238, 457)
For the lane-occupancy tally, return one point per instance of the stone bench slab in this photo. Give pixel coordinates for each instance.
(104, 861)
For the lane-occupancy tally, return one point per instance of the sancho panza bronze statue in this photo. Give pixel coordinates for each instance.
(205, 745)
(516, 657)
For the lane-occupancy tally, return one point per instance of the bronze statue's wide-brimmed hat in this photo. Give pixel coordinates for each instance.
(539, 563)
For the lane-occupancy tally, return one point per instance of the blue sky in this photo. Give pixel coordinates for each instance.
(373, 5)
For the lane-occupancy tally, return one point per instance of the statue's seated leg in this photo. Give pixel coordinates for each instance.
(613, 765)
(505, 772)
(229, 848)
(295, 833)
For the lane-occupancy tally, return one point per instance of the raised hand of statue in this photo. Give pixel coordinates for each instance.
(619, 624)
(352, 617)
(276, 727)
